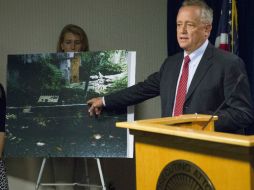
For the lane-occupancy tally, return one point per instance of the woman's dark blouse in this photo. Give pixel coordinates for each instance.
(2, 109)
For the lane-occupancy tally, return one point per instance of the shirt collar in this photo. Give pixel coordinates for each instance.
(197, 52)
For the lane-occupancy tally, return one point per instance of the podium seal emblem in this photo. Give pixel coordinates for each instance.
(183, 175)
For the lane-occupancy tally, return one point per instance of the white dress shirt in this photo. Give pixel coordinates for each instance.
(195, 58)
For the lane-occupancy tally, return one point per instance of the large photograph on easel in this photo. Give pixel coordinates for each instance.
(46, 104)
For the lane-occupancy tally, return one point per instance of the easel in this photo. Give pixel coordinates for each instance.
(102, 186)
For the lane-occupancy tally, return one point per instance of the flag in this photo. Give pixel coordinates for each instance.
(227, 35)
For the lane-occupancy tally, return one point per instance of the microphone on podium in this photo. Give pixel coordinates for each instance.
(239, 79)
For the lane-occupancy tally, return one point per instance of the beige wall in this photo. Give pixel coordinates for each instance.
(33, 26)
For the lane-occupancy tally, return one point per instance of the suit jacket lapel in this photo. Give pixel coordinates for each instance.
(173, 80)
(200, 73)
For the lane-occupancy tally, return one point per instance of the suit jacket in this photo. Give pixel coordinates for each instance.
(213, 81)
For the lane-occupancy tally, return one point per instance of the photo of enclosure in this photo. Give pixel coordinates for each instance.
(47, 114)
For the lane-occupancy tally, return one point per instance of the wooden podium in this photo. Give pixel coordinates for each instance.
(177, 153)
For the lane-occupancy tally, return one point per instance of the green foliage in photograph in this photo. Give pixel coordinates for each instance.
(118, 85)
(72, 96)
(39, 76)
(104, 62)
(50, 77)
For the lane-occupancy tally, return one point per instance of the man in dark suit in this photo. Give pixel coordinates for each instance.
(213, 75)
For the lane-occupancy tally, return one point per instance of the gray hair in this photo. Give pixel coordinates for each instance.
(206, 11)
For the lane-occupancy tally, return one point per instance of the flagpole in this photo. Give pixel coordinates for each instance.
(234, 25)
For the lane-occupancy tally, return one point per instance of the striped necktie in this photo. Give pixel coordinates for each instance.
(182, 88)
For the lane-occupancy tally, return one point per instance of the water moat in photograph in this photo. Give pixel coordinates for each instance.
(64, 131)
